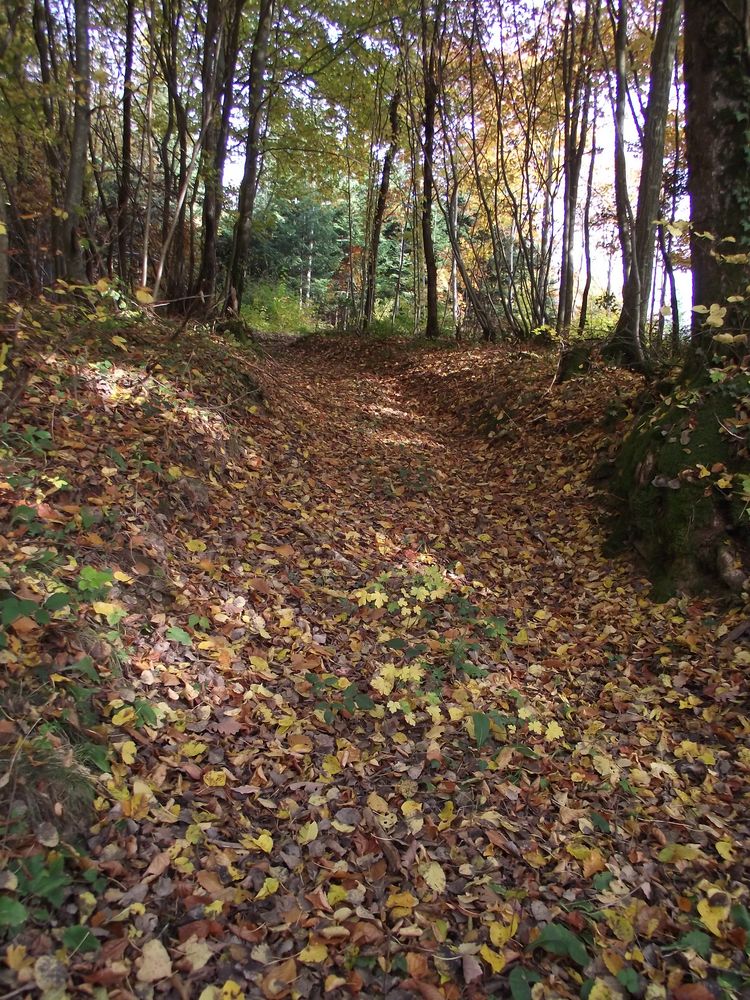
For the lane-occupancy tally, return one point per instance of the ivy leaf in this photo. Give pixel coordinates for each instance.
(79, 938)
(177, 634)
(558, 940)
(481, 728)
(12, 913)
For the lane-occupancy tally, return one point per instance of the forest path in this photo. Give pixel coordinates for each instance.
(382, 719)
(546, 741)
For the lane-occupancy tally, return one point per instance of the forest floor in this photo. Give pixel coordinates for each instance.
(372, 715)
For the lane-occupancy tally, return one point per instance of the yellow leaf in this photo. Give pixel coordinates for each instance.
(535, 858)
(726, 849)
(377, 803)
(144, 296)
(711, 916)
(231, 991)
(120, 342)
(307, 833)
(263, 842)
(128, 751)
(447, 814)
(402, 899)
(193, 748)
(601, 991)
(15, 957)
(553, 732)
(105, 607)
(195, 545)
(215, 779)
(500, 934)
(125, 717)
(620, 926)
(614, 961)
(314, 954)
(198, 953)
(434, 876)
(495, 960)
(154, 963)
(213, 909)
(679, 852)
(269, 887)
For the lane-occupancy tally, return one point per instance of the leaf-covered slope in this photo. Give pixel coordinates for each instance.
(373, 714)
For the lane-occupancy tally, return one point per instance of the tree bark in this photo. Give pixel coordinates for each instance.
(377, 222)
(217, 72)
(430, 32)
(629, 335)
(73, 203)
(717, 81)
(248, 187)
(124, 193)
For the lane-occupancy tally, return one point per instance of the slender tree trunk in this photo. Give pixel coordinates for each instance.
(587, 233)
(577, 85)
(453, 209)
(622, 199)
(3, 250)
(149, 179)
(430, 33)
(248, 187)
(377, 223)
(397, 293)
(628, 338)
(124, 193)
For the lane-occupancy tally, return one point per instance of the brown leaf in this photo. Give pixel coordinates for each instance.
(426, 990)
(277, 982)
(692, 991)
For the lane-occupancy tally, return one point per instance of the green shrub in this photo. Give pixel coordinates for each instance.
(275, 308)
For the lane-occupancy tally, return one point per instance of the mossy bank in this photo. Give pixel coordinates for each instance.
(681, 486)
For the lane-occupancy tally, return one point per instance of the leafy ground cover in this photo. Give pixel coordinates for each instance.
(315, 681)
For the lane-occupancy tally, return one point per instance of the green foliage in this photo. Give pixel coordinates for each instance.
(276, 308)
(560, 940)
(94, 583)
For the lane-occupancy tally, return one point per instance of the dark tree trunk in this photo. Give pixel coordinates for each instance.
(124, 193)
(377, 222)
(717, 80)
(430, 34)
(629, 335)
(578, 45)
(220, 60)
(248, 187)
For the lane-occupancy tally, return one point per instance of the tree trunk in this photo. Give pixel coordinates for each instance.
(124, 194)
(217, 74)
(628, 338)
(587, 232)
(717, 81)
(248, 187)
(377, 223)
(3, 250)
(430, 33)
(623, 207)
(577, 87)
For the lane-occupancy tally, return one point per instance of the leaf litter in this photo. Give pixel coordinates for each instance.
(373, 715)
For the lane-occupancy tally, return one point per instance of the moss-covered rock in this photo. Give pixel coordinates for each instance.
(680, 486)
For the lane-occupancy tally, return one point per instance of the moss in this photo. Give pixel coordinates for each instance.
(676, 519)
